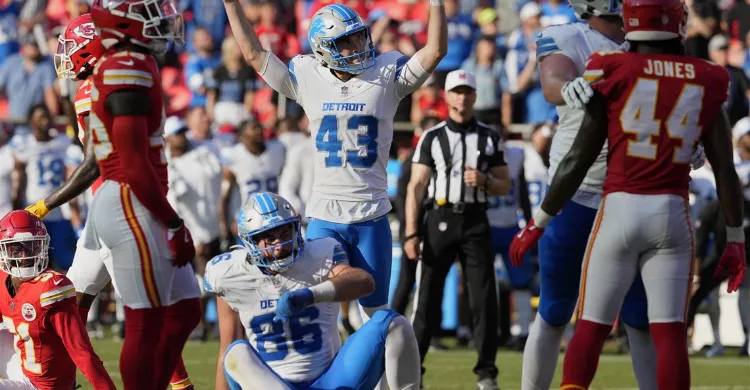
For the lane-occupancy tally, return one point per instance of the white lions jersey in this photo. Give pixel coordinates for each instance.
(352, 125)
(536, 177)
(45, 166)
(702, 187)
(255, 173)
(299, 350)
(503, 211)
(576, 41)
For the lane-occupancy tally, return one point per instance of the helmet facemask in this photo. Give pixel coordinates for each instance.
(63, 62)
(359, 42)
(275, 248)
(24, 256)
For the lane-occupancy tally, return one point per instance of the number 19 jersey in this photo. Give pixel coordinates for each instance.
(352, 124)
(301, 349)
(658, 106)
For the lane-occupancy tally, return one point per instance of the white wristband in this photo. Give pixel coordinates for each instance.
(541, 219)
(436, 3)
(324, 292)
(735, 234)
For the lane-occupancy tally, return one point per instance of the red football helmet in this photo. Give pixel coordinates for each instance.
(147, 23)
(24, 245)
(78, 49)
(654, 20)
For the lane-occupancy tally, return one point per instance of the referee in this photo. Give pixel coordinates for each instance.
(463, 162)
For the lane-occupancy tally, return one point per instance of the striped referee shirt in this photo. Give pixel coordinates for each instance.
(448, 147)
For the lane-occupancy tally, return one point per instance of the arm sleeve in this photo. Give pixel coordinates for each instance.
(561, 39)
(409, 76)
(283, 79)
(423, 153)
(497, 158)
(64, 318)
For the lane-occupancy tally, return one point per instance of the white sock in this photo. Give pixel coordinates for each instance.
(94, 311)
(402, 366)
(366, 313)
(743, 303)
(119, 309)
(643, 355)
(522, 302)
(714, 314)
(540, 355)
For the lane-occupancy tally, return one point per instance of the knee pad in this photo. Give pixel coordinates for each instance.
(556, 313)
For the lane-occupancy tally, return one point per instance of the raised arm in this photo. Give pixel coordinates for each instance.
(268, 66)
(412, 73)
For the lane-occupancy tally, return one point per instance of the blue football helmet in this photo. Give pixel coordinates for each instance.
(331, 26)
(263, 212)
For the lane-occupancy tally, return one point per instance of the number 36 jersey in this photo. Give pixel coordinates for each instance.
(352, 124)
(301, 349)
(658, 106)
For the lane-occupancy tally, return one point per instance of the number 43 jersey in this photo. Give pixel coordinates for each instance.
(352, 124)
(301, 349)
(658, 106)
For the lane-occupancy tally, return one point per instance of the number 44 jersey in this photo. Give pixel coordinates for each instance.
(301, 349)
(352, 124)
(659, 106)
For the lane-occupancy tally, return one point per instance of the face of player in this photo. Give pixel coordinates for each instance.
(22, 254)
(461, 102)
(252, 134)
(276, 243)
(352, 44)
(40, 121)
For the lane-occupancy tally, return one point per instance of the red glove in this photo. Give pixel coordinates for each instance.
(181, 245)
(523, 241)
(733, 261)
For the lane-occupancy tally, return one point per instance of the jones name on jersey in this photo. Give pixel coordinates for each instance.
(299, 350)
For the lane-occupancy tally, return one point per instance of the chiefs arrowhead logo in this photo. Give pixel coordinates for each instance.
(85, 30)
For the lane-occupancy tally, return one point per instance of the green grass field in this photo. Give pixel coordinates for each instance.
(451, 370)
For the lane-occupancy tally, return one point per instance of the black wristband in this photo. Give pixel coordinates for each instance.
(410, 236)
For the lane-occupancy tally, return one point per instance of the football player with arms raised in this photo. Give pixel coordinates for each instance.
(78, 52)
(653, 105)
(286, 291)
(350, 96)
(38, 308)
(130, 214)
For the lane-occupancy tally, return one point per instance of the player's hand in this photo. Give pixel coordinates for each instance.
(181, 245)
(412, 249)
(698, 158)
(39, 209)
(524, 241)
(733, 263)
(292, 302)
(577, 93)
(474, 178)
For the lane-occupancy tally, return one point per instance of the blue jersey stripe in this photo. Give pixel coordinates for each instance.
(400, 63)
(292, 75)
(546, 49)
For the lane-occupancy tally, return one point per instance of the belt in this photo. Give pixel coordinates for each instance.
(460, 207)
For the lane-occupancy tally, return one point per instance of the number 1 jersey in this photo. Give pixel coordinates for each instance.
(301, 349)
(352, 125)
(658, 107)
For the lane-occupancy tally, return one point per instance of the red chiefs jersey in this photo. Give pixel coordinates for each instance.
(83, 108)
(44, 358)
(126, 70)
(658, 106)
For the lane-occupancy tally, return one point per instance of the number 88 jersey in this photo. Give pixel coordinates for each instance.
(658, 106)
(301, 349)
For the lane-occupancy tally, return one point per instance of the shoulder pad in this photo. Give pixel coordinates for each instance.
(55, 288)
(216, 269)
(556, 39)
(128, 69)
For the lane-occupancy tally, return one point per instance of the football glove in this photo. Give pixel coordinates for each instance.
(524, 241)
(39, 209)
(733, 263)
(577, 93)
(698, 158)
(292, 302)
(181, 245)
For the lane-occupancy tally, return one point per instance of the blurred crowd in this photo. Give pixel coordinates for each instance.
(217, 106)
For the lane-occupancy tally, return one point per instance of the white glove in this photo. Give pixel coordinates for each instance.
(698, 158)
(577, 93)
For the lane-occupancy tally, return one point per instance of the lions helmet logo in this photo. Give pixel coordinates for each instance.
(85, 30)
